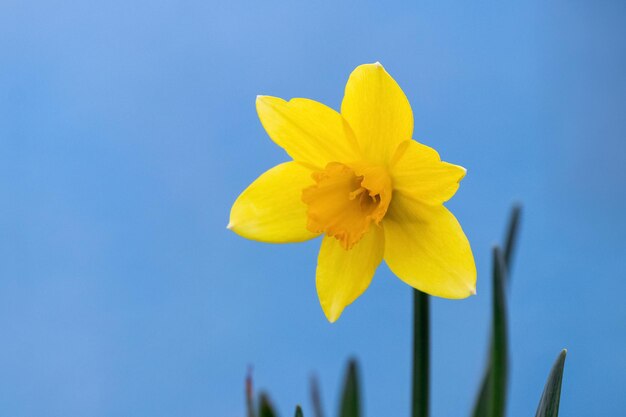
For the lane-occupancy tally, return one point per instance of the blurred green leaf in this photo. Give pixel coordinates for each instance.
(299, 411)
(265, 406)
(551, 396)
(249, 395)
(350, 401)
(421, 354)
(316, 398)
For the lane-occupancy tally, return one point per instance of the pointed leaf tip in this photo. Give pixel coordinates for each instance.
(551, 396)
(299, 411)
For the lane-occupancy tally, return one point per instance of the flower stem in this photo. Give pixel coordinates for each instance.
(421, 354)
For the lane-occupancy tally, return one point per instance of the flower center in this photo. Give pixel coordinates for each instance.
(345, 200)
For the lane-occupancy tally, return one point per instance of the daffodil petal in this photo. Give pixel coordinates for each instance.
(308, 131)
(343, 275)
(426, 248)
(271, 208)
(419, 174)
(378, 112)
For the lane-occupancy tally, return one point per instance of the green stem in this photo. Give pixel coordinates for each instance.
(421, 354)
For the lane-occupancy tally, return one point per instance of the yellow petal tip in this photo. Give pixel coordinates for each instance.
(331, 312)
(260, 97)
(332, 317)
(230, 226)
(472, 291)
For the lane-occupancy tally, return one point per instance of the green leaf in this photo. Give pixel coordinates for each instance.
(350, 401)
(299, 411)
(551, 396)
(499, 353)
(485, 394)
(491, 400)
(265, 406)
(421, 354)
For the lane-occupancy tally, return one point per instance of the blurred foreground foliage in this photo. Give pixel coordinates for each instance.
(491, 397)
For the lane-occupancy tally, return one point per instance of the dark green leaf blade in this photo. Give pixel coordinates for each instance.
(499, 354)
(551, 396)
(491, 399)
(265, 406)
(421, 354)
(483, 399)
(350, 399)
(299, 411)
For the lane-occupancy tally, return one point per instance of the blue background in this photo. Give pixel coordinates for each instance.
(127, 129)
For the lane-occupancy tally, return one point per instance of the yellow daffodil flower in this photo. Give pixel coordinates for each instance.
(358, 178)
